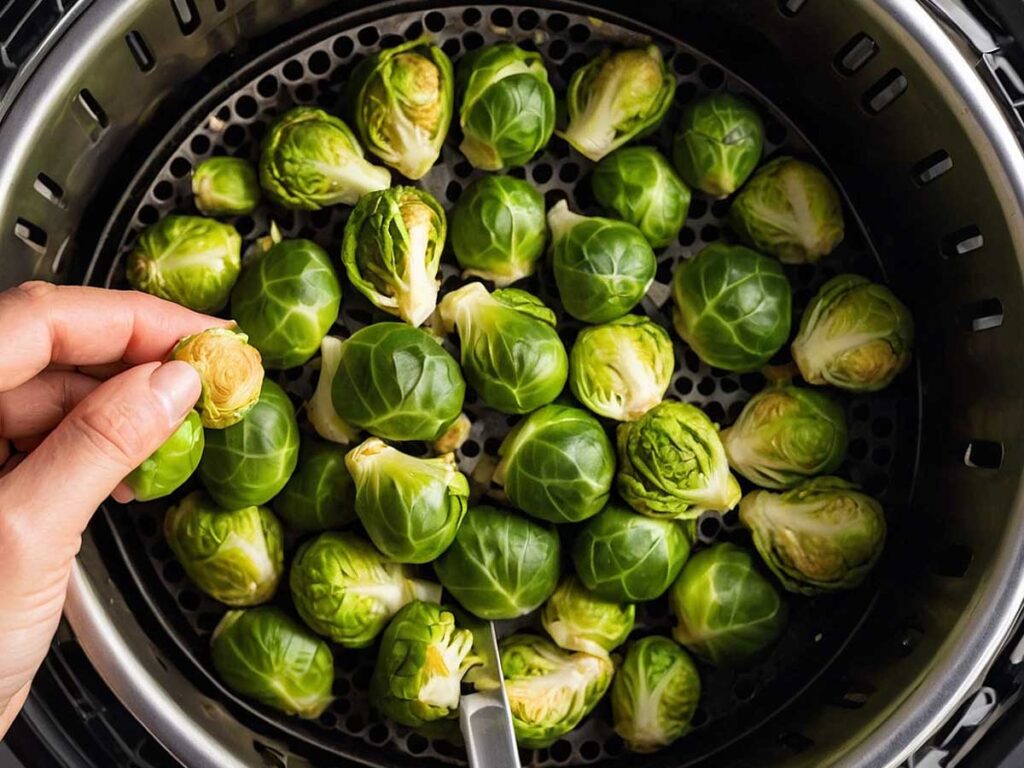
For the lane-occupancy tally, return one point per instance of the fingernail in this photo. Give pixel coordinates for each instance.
(122, 494)
(176, 385)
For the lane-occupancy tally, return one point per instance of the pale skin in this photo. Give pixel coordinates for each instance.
(85, 397)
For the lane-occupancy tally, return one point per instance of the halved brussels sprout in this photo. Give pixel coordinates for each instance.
(855, 335)
(320, 407)
(616, 97)
(579, 620)
(499, 229)
(603, 267)
(501, 564)
(189, 260)
(320, 494)
(511, 354)
(250, 462)
(718, 143)
(170, 465)
(310, 159)
(225, 186)
(557, 465)
(233, 555)
(654, 694)
(732, 306)
(506, 106)
(822, 536)
(727, 612)
(638, 185)
(672, 464)
(264, 654)
(392, 251)
(622, 369)
(231, 372)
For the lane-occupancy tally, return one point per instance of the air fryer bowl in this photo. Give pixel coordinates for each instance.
(98, 135)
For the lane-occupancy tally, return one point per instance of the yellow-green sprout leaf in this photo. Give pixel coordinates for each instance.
(225, 186)
(171, 464)
(580, 620)
(231, 372)
(718, 143)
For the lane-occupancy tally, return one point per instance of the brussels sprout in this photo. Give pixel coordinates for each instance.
(579, 620)
(616, 97)
(347, 591)
(501, 565)
(225, 186)
(320, 407)
(392, 251)
(506, 106)
(287, 302)
(422, 660)
(550, 690)
(718, 143)
(170, 465)
(188, 260)
(557, 465)
(855, 335)
(410, 507)
(822, 536)
(732, 306)
(233, 555)
(602, 267)
(791, 210)
(727, 612)
(310, 159)
(320, 494)
(628, 558)
(401, 103)
(499, 229)
(672, 464)
(397, 383)
(638, 185)
(786, 434)
(621, 369)
(231, 372)
(264, 654)
(654, 694)
(250, 462)
(511, 354)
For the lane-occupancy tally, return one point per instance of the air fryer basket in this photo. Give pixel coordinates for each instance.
(875, 90)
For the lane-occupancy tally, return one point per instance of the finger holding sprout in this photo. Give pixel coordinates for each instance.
(225, 186)
(718, 143)
(579, 620)
(231, 372)
(170, 465)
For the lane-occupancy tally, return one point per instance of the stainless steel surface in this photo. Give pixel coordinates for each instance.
(486, 720)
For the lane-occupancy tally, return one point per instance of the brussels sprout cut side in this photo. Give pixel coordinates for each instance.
(718, 143)
(320, 494)
(225, 186)
(579, 620)
(171, 464)
(231, 372)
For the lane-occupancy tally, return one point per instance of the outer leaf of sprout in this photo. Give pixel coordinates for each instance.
(170, 465)
(320, 494)
(320, 409)
(579, 620)
(225, 186)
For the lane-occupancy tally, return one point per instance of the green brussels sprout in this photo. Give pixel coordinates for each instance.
(499, 229)
(422, 659)
(727, 612)
(264, 654)
(550, 690)
(786, 434)
(233, 555)
(310, 159)
(557, 465)
(672, 464)
(718, 143)
(225, 186)
(410, 507)
(347, 591)
(578, 620)
(638, 185)
(400, 100)
(392, 251)
(320, 407)
(170, 465)
(287, 302)
(189, 260)
(320, 494)
(822, 536)
(397, 383)
(506, 106)
(250, 462)
(855, 335)
(230, 370)
(732, 306)
(616, 97)
(654, 694)
(603, 267)
(501, 565)
(790, 210)
(628, 558)
(621, 369)
(511, 354)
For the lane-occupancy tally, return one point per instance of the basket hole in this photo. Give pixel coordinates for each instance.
(712, 76)
(434, 21)
(853, 56)
(590, 750)
(415, 30)
(328, 719)
(292, 70)
(795, 742)
(687, 237)
(271, 757)
(49, 189)
(319, 63)
(173, 572)
(391, 41)
(220, 5)
(982, 315)
(952, 561)
(451, 47)
(140, 51)
(189, 601)
(31, 235)
(472, 40)
(378, 734)
(710, 233)
(561, 751)
(684, 64)
(342, 47)
(579, 33)
(930, 168)
(558, 22)
(528, 20)
(854, 696)
(416, 744)
(368, 36)
(246, 107)
(91, 108)
(187, 16)
(962, 241)
(471, 17)
(744, 689)
(501, 17)
(200, 144)
(882, 94)
(558, 49)
(709, 526)
(791, 7)
(984, 454)
(542, 173)
(234, 135)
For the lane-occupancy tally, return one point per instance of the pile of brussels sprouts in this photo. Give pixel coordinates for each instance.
(360, 513)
